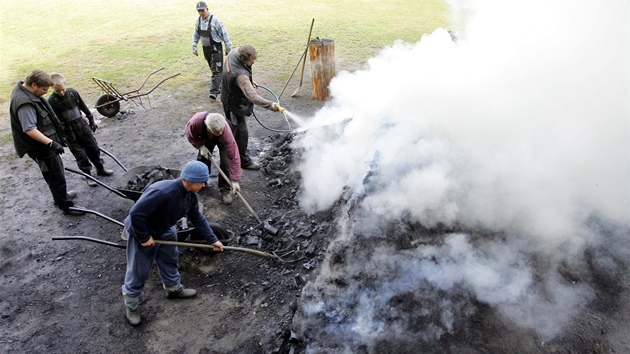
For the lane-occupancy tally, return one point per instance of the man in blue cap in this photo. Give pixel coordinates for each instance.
(153, 217)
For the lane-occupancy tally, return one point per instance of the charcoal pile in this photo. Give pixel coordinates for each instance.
(291, 234)
(142, 181)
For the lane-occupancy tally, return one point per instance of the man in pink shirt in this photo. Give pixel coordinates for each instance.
(204, 131)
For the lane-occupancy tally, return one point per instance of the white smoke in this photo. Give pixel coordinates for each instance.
(521, 127)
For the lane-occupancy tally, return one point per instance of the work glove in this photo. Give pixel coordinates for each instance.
(93, 125)
(194, 50)
(205, 152)
(235, 187)
(56, 147)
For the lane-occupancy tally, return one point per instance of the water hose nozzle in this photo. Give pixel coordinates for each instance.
(279, 108)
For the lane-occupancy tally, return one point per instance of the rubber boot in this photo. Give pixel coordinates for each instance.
(178, 292)
(131, 309)
(89, 181)
(104, 172)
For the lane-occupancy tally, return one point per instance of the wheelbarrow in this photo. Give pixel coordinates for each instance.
(109, 103)
(135, 181)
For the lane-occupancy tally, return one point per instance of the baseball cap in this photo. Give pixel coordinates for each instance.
(201, 5)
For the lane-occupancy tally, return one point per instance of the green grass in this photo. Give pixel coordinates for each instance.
(122, 41)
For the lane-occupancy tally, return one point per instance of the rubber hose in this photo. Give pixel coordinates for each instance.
(258, 120)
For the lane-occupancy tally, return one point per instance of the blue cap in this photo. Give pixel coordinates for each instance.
(201, 5)
(195, 171)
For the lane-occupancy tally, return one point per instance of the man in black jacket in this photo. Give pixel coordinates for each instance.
(68, 104)
(239, 97)
(37, 132)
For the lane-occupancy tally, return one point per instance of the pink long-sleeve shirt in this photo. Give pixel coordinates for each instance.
(197, 134)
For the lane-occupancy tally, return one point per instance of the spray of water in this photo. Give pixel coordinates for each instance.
(519, 131)
(299, 121)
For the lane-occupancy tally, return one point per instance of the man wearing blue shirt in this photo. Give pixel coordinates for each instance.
(154, 216)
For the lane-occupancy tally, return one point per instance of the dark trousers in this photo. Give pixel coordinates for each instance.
(85, 150)
(241, 135)
(224, 186)
(54, 175)
(215, 62)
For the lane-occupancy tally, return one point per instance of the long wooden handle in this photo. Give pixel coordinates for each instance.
(307, 44)
(237, 193)
(227, 248)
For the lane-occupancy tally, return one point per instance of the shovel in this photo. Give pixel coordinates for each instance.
(171, 243)
(237, 193)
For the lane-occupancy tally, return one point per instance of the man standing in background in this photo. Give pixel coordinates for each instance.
(212, 33)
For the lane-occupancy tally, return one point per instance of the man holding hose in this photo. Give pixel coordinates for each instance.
(239, 97)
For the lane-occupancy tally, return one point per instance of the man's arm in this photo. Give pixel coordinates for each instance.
(82, 106)
(28, 120)
(195, 38)
(251, 94)
(231, 150)
(37, 135)
(195, 34)
(193, 131)
(142, 210)
(222, 34)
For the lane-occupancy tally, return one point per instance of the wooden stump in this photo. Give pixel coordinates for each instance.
(322, 54)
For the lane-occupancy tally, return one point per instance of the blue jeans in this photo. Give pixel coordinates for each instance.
(140, 259)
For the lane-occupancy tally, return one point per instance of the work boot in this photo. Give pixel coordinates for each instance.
(133, 316)
(227, 198)
(250, 165)
(72, 212)
(71, 195)
(131, 309)
(89, 181)
(104, 172)
(181, 293)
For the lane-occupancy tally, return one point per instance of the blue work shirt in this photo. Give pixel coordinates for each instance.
(161, 206)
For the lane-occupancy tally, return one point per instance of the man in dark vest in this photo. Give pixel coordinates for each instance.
(239, 97)
(212, 33)
(37, 132)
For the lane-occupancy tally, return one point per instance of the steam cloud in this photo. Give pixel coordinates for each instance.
(518, 129)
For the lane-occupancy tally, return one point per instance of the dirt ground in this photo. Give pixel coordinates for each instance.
(64, 296)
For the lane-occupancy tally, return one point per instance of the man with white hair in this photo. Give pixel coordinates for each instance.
(204, 131)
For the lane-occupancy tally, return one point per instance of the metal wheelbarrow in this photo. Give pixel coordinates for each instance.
(134, 181)
(109, 104)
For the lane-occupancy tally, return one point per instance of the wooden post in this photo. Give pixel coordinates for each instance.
(322, 54)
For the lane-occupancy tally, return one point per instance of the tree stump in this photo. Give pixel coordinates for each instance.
(322, 54)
